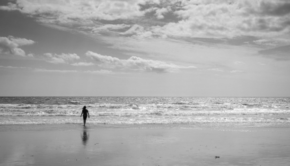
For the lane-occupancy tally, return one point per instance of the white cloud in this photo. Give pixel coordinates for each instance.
(110, 27)
(74, 71)
(159, 13)
(134, 63)
(134, 29)
(77, 10)
(83, 64)
(226, 19)
(103, 59)
(55, 71)
(98, 72)
(138, 32)
(10, 45)
(223, 19)
(22, 41)
(9, 7)
(272, 42)
(61, 58)
(164, 18)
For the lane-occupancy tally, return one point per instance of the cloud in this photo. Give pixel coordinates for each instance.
(74, 71)
(160, 13)
(10, 7)
(223, 19)
(111, 28)
(272, 42)
(77, 11)
(61, 58)
(55, 71)
(278, 53)
(10, 45)
(135, 63)
(181, 19)
(133, 30)
(226, 20)
(83, 64)
(275, 8)
(22, 41)
(98, 72)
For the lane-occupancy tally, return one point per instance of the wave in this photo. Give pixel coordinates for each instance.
(118, 109)
(74, 102)
(149, 110)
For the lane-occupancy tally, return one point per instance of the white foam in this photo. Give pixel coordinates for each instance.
(170, 111)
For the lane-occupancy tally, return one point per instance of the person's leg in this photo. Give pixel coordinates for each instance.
(85, 119)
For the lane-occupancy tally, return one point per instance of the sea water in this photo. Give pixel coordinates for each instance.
(146, 110)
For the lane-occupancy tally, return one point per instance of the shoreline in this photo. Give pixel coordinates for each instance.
(133, 145)
(172, 125)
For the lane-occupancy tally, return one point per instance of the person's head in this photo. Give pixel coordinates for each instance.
(84, 107)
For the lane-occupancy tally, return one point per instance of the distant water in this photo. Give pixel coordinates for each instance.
(146, 110)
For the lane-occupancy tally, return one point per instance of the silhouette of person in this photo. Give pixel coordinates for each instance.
(85, 114)
(85, 136)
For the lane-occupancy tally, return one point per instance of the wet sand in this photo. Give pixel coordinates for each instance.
(74, 145)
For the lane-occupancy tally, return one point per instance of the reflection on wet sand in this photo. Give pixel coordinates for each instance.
(85, 136)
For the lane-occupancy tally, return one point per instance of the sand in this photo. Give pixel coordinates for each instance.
(74, 145)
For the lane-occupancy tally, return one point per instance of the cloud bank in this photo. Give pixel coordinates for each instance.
(164, 18)
(259, 23)
(108, 62)
(11, 45)
(134, 63)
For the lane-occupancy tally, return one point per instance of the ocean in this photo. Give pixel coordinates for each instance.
(146, 110)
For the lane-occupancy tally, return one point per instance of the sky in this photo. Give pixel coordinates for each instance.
(238, 48)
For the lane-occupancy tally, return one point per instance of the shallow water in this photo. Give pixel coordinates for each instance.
(145, 110)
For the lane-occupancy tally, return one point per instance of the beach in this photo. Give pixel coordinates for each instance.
(149, 131)
(133, 145)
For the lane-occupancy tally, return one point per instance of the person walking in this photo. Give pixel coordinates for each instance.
(85, 114)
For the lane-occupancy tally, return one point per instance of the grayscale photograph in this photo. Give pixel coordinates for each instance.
(144, 82)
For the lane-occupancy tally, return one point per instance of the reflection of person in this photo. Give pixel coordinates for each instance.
(85, 114)
(85, 136)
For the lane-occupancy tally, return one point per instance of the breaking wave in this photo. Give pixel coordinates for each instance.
(144, 110)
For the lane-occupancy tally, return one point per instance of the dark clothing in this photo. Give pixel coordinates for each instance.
(85, 114)
(85, 117)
